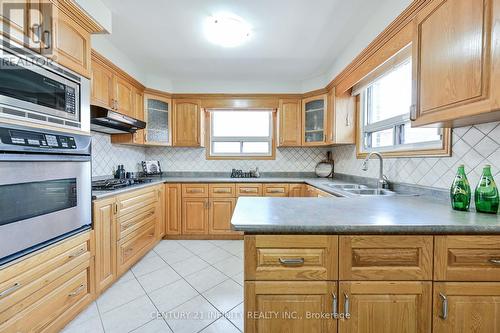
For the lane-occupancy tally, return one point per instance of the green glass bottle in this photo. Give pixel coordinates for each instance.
(460, 193)
(486, 195)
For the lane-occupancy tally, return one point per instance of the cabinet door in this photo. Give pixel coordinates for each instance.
(452, 54)
(20, 20)
(389, 307)
(221, 211)
(104, 223)
(161, 212)
(158, 120)
(173, 209)
(296, 190)
(69, 43)
(195, 216)
(341, 118)
(187, 125)
(102, 85)
(290, 303)
(466, 307)
(314, 118)
(139, 136)
(124, 96)
(290, 123)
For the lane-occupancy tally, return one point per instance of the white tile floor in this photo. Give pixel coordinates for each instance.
(181, 286)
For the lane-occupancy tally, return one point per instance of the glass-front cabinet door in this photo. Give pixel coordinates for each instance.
(158, 115)
(314, 110)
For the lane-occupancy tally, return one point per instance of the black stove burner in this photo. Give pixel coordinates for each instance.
(114, 184)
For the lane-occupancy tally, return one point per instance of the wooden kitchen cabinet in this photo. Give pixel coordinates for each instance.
(104, 223)
(139, 137)
(290, 123)
(173, 209)
(19, 19)
(195, 216)
(158, 118)
(314, 120)
(290, 302)
(188, 122)
(102, 85)
(221, 211)
(124, 96)
(69, 43)
(296, 190)
(389, 307)
(275, 190)
(341, 119)
(455, 63)
(161, 225)
(466, 307)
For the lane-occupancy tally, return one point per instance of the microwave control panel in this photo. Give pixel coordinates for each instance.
(36, 139)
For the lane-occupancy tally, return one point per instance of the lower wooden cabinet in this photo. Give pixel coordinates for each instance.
(195, 214)
(466, 307)
(389, 307)
(173, 209)
(134, 246)
(221, 211)
(292, 307)
(105, 236)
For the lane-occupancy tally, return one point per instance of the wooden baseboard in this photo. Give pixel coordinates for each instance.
(207, 237)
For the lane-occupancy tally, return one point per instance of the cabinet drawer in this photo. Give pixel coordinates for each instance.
(249, 190)
(222, 190)
(130, 202)
(467, 258)
(72, 290)
(275, 190)
(385, 258)
(291, 257)
(132, 247)
(130, 222)
(24, 283)
(195, 190)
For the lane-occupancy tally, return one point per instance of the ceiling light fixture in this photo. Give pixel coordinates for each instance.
(227, 30)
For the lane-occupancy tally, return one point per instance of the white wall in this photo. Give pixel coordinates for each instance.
(98, 11)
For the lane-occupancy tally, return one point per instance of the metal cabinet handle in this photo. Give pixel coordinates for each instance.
(278, 190)
(37, 31)
(116, 208)
(495, 261)
(346, 305)
(347, 121)
(77, 253)
(291, 261)
(413, 112)
(222, 191)
(334, 305)
(47, 39)
(77, 291)
(10, 290)
(444, 306)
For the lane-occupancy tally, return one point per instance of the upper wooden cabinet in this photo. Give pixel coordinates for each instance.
(290, 123)
(158, 117)
(341, 118)
(102, 85)
(123, 92)
(455, 63)
(188, 123)
(56, 29)
(314, 120)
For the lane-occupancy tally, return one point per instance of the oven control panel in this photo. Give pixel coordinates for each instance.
(36, 139)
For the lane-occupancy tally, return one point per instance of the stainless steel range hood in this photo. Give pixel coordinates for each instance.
(111, 122)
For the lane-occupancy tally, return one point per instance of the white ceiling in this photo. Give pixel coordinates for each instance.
(293, 40)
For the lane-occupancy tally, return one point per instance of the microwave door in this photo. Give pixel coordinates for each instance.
(42, 200)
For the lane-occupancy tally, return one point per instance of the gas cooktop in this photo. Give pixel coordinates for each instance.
(113, 184)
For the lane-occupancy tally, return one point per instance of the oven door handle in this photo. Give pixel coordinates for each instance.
(44, 158)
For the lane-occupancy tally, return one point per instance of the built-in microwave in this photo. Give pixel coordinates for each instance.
(38, 90)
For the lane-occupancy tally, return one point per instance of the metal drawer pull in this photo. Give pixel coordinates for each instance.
(77, 291)
(195, 190)
(346, 306)
(291, 261)
(223, 191)
(277, 191)
(246, 190)
(77, 253)
(334, 305)
(444, 306)
(10, 290)
(495, 261)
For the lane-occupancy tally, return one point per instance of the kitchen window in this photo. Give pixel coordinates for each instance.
(241, 134)
(385, 97)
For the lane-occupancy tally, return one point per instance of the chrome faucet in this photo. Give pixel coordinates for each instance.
(382, 180)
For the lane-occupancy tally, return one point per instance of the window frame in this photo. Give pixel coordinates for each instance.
(241, 156)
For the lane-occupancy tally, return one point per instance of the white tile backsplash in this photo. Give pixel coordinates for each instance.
(473, 146)
(106, 156)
